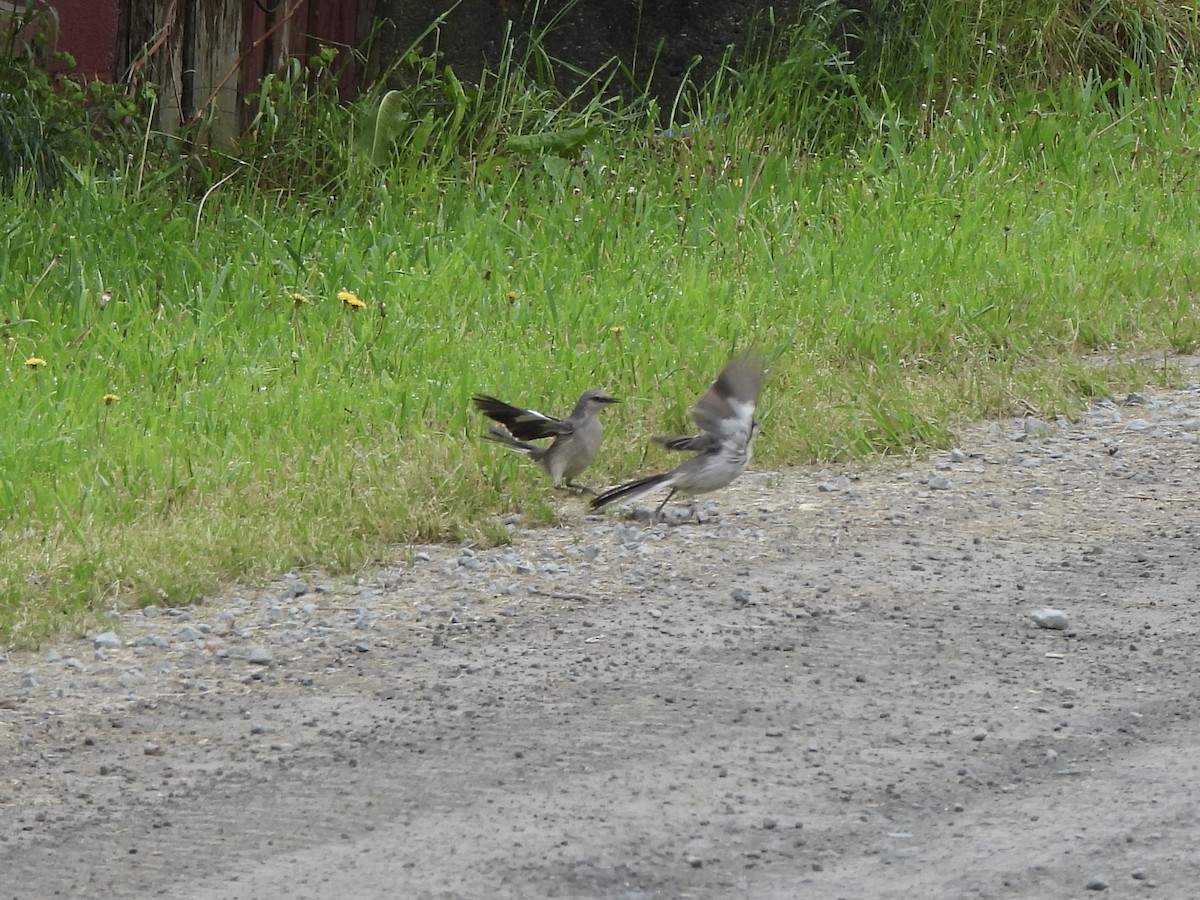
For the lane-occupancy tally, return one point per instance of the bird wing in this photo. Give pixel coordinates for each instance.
(523, 424)
(694, 443)
(726, 411)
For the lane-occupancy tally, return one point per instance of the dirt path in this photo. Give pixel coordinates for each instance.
(833, 690)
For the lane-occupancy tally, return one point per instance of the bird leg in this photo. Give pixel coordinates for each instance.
(670, 494)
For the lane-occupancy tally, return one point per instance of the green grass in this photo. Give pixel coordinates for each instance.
(949, 268)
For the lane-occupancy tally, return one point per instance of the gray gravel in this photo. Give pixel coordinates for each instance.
(830, 686)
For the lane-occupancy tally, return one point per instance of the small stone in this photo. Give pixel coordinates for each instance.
(188, 633)
(1035, 427)
(1139, 425)
(938, 483)
(770, 824)
(694, 861)
(108, 640)
(837, 485)
(740, 597)
(979, 735)
(52, 656)
(956, 456)
(261, 656)
(361, 646)
(1097, 884)
(1047, 617)
(1138, 874)
(628, 533)
(151, 748)
(258, 728)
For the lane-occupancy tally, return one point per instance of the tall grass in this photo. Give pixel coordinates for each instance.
(196, 390)
(921, 51)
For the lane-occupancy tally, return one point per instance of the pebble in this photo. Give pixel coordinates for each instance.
(107, 640)
(1050, 618)
(261, 656)
(1097, 884)
(939, 483)
(837, 485)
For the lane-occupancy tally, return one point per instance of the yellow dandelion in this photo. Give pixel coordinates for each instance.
(110, 399)
(297, 298)
(35, 362)
(512, 295)
(351, 300)
(617, 329)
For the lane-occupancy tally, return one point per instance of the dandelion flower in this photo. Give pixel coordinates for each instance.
(617, 329)
(110, 399)
(297, 298)
(35, 362)
(351, 300)
(512, 295)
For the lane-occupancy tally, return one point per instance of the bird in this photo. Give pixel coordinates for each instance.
(725, 417)
(576, 438)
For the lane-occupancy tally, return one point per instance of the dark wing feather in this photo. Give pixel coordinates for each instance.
(684, 443)
(523, 424)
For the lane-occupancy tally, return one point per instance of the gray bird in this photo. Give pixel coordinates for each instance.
(576, 438)
(725, 417)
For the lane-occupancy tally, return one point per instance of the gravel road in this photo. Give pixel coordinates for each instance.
(831, 686)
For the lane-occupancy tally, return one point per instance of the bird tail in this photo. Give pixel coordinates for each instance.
(500, 436)
(631, 490)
